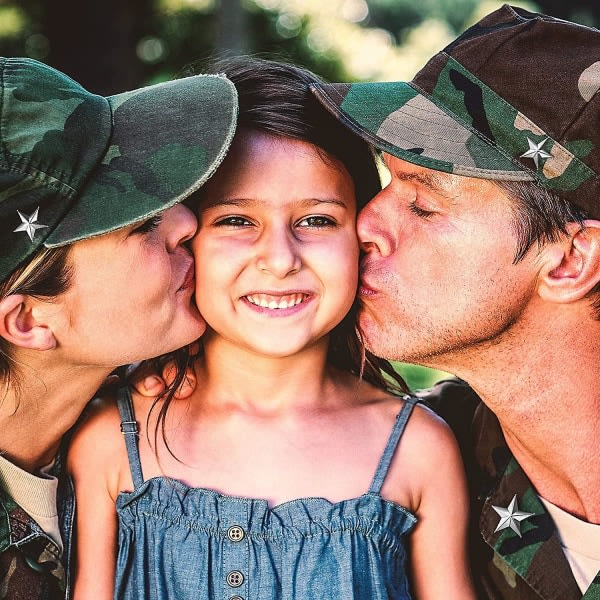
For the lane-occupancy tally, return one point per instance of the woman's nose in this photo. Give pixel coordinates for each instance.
(180, 225)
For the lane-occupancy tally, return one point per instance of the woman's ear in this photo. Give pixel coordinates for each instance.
(572, 265)
(20, 325)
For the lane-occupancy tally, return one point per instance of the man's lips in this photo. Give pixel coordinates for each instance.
(188, 279)
(366, 288)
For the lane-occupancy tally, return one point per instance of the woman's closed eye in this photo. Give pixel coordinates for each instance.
(149, 225)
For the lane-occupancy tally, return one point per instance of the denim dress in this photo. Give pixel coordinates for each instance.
(187, 543)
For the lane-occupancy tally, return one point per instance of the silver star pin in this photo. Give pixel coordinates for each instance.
(511, 516)
(535, 151)
(29, 223)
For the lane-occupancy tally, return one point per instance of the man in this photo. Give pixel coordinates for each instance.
(483, 259)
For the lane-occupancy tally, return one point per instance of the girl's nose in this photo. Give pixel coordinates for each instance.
(278, 253)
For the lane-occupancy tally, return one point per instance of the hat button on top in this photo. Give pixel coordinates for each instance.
(236, 598)
(235, 533)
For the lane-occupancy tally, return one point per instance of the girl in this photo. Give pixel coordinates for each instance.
(90, 234)
(282, 475)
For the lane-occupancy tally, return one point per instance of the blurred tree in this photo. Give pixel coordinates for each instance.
(586, 12)
(94, 42)
(400, 16)
(232, 28)
(118, 44)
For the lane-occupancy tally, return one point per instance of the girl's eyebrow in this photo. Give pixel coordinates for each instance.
(241, 202)
(246, 202)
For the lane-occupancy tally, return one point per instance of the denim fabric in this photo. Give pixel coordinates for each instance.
(186, 543)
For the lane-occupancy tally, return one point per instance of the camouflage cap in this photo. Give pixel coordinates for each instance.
(515, 97)
(75, 165)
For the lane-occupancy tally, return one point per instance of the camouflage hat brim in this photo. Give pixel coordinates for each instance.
(397, 119)
(166, 141)
(75, 165)
(487, 106)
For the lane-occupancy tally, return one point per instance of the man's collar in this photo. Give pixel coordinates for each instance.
(537, 550)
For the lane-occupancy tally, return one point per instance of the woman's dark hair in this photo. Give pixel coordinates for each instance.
(275, 98)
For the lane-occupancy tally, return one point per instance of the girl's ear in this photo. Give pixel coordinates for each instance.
(20, 326)
(572, 265)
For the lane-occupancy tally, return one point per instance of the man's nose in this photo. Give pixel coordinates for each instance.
(374, 226)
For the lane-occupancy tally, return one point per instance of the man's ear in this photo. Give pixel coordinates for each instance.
(20, 326)
(571, 267)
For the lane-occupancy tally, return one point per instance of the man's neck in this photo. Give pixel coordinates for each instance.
(546, 396)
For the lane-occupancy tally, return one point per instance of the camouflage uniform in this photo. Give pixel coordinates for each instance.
(505, 566)
(31, 564)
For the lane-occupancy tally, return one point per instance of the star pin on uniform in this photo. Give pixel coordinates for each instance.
(29, 223)
(511, 516)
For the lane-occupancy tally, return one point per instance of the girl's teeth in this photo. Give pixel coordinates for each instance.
(268, 302)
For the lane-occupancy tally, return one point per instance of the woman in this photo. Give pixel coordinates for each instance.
(91, 250)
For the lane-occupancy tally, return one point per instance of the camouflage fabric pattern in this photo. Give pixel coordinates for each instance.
(504, 565)
(515, 97)
(30, 567)
(74, 164)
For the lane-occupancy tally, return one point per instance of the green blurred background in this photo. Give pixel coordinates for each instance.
(113, 45)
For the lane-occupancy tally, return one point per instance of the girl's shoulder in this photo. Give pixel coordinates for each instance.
(97, 443)
(99, 424)
(427, 450)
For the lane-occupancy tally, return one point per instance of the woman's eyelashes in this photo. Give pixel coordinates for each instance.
(148, 226)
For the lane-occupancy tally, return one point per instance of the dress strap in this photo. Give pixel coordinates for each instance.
(130, 430)
(394, 439)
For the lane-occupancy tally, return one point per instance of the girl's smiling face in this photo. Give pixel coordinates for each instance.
(276, 249)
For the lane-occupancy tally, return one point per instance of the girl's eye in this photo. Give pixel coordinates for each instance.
(317, 221)
(234, 221)
(420, 212)
(149, 225)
